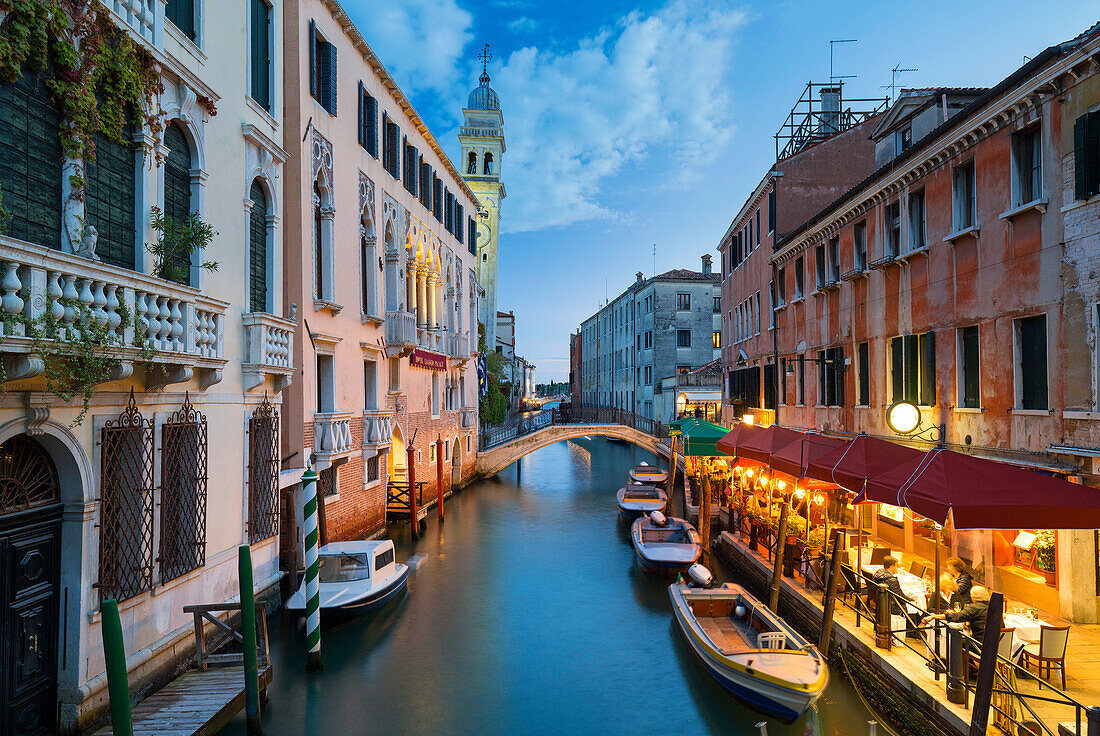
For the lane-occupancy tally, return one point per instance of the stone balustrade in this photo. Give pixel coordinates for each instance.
(144, 17)
(469, 417)
(331, 436)
(143, 319)
(377, 428)
(458, 346)
(401, 329)
(270, 349)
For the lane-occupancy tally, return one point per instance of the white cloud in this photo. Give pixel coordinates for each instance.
(421, 42)
(651, 89)
(522, 24)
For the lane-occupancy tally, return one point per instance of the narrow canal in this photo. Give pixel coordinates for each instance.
(528, 616)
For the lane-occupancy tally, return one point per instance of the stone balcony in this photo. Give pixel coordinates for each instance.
(469, 417)
(377, 428)
(270, 350)
(332, 437)
(431, 338)
(143, 319)
(458, 346)
(401, 330)
(143, 17)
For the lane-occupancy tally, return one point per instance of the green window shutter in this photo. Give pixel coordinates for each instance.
(314, 88)
(1033, 362)
(177, 191)
(361, 128)
(111, 201)
(261, 53)
(1092, 154)
(257, 250)
(372, 126)
(30, 162)
(928, 369)
(897, 369)
(459, 217)
(330, 78)
(182, 15)
(385, 141)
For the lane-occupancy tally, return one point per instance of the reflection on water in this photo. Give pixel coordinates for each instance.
(529, 616)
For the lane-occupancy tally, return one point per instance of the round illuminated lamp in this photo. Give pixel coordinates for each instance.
(903, 417)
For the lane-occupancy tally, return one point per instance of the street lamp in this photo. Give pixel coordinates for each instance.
(903, 417)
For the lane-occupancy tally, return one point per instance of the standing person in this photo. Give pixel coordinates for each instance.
(949, 591)
(963, 581)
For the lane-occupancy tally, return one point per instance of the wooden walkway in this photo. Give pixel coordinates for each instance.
(197, 703)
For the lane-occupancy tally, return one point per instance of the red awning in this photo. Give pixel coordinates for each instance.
(985, 494)
(795, 458)
(851, 464)
(740, 433)
(762, 445)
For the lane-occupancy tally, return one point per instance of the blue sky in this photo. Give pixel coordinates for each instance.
(631, 125)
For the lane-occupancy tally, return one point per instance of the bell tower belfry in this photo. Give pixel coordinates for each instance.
(482, 141)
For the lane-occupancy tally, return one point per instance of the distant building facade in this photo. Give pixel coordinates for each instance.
(576, 360)
(657, 327)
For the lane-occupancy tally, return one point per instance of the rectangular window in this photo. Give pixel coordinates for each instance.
(648, 340)
(648, 375)
(916, 220)
(799, 278)
(683, 302)
(757, 227)
(717, 339)
(395, 374)
(412, 167)
(322, 66)
(717, 305)
(860, 237)
(182, 15)
(368, 120)
(834, 260)
(801, 380)
(326, 396)
(784, 366)
(969, 366)
(1027, 151)
(1086, 155)
(965, 198)
(863, 373)
(1031, 336)
(893, 229)
(903, 139)
(370, 384)
(757, 306)
(391, 145)
(683, 338)
(830, 377)
(260, 54)
(781, 287)
(913, 369)
(460, 214)
(425, 184)
(820, 263)
(771, 211)
(437, 197)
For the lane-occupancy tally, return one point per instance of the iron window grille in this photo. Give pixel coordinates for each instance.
(327, 481)
(263, 473)
(126, 508)
(183, 493)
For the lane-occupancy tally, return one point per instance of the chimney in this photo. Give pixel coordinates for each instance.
(830, 111)
(638, 278)
(706, 265)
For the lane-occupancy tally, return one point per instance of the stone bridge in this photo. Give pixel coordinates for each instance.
(492, 461)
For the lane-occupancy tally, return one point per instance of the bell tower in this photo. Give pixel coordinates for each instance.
(482, 141)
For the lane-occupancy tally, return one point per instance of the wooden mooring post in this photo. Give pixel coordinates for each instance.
(987, 665)
(313, 562)
(780, 553)
(439, 476)
(248, 641)
(830, 596)
(704, 513)
(114, 655)
(414, 519)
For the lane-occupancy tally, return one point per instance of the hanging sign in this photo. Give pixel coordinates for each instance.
(425, 359)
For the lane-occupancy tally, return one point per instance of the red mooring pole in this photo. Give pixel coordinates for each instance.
(412, 493)
(439, 476)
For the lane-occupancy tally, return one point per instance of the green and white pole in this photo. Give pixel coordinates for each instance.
(313, 591)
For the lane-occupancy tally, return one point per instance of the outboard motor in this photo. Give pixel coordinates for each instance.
(700, 576)
(657, 518)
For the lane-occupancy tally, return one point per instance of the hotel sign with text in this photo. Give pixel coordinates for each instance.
(429, 360)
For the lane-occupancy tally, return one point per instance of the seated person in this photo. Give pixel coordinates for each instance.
(888, 575)
(963, 582)
(973, 614)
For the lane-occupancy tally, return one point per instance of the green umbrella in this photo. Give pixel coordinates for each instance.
(701, 439)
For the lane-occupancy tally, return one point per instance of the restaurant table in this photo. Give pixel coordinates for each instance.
(1027, 631)
(911, 586)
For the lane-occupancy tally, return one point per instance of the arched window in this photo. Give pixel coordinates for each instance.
(471, 166)
(369, 268)
(320, 266)
(488, 163)
(257, 249)
(110, 203)
(30, 161)
(177, 188)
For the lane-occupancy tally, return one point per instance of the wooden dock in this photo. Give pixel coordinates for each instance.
(197, 703)
(397, 501)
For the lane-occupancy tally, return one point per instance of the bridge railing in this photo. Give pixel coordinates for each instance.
(495, 436)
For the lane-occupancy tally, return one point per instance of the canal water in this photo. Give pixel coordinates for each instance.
(528, 616)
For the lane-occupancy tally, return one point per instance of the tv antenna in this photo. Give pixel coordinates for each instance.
(833, 77)
(894, 78)
(654, 259)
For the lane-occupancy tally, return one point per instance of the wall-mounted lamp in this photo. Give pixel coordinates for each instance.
(903, 417)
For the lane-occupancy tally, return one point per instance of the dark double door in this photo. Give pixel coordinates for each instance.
(30, 549)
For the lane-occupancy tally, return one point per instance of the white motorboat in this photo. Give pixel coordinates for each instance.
(665, 545)
(646, 473)
(355, 577)
(637, 499)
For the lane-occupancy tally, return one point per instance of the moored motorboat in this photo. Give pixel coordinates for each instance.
(666, 545)
(355, 577)
(646, 473)
(638, 498)
(752, 652)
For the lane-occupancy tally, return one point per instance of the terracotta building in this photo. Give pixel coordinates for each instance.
(813, 172)
(960, 277)
(380, 263)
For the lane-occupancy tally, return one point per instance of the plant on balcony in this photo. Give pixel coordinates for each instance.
(176, 242)
(494, 404)
(100, 78)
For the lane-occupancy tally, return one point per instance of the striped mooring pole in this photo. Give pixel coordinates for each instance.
(313, 590)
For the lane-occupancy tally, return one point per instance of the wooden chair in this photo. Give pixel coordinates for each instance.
(918, 568)
(1049, 652)
(1004, 648)
(878, 554)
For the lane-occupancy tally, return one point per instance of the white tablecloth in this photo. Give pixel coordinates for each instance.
(1027, 631)
(911, 586)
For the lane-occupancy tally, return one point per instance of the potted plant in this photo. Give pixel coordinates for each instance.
(1044, 555)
